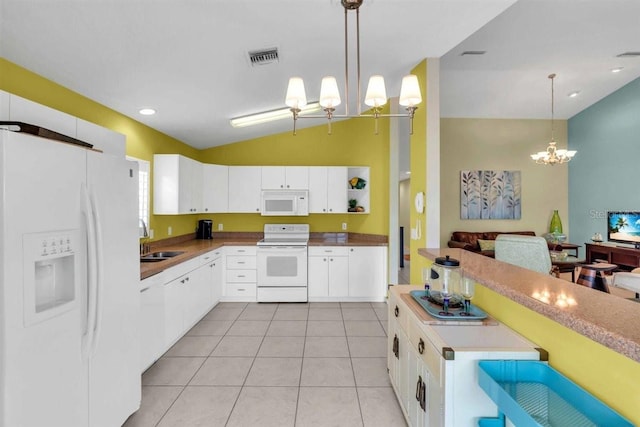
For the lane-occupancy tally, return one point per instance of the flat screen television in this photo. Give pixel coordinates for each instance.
(624, 227)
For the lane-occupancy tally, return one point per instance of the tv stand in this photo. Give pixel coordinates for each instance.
(624, 257)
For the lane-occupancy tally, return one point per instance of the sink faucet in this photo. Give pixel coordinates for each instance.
(145, 232)
(144, 247)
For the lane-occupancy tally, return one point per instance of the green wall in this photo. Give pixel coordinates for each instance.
(142, 141)
(352, 143)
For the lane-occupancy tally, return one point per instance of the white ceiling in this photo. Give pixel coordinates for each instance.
(189, 59)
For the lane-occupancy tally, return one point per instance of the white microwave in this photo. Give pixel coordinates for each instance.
(285, 203)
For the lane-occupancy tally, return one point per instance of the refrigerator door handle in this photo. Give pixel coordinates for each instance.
(99, 258)
(87, 339)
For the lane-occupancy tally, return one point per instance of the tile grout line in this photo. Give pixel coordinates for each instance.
(353, 372)
(252, 362)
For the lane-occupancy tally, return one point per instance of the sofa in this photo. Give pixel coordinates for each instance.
(482, 242)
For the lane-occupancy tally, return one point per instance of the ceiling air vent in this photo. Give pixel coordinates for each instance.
(473, 52)
(264, 56)
(628, 55)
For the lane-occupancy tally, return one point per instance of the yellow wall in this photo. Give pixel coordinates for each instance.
(418, 162)
(610, 376)
(352, 143)
(142, 141)
(500, 144)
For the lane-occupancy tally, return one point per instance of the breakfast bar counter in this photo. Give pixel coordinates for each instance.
(607, 319)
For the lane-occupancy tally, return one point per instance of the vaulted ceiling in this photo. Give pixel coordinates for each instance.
(190, 62)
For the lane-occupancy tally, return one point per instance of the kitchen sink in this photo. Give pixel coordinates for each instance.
(159, 256)
(167, 254)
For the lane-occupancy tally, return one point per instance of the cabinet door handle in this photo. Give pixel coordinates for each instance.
(241, 275)
(423, 397)
(396, 311)
(395, 349)
(421, 346)
(241, 262)
(419, 389)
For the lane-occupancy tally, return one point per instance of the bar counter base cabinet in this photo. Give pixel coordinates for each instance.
(433, 368)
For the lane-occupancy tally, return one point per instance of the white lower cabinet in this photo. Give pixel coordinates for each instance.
(152, 312)
(175, 300)
(328, 272)
(341, 273)
(368, 272)
(240, 273)
(433, 367)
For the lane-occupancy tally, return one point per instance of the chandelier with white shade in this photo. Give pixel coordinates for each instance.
(553, 155)
(375, 97)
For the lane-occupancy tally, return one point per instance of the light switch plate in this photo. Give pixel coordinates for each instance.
(220, 227)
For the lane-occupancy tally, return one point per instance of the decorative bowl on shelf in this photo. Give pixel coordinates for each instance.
(357, 183)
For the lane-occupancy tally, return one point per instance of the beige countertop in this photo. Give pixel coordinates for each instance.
(194, 247)
(607, 319)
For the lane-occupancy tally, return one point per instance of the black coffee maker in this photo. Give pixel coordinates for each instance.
(205, 227)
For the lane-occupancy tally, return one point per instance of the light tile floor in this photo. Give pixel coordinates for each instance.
(249, 364)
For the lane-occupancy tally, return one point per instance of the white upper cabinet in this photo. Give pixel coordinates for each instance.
(285, 178)
(244, 189)
(177, 185)
(337, 189)
(328, 189)
(317, 189)
(215, 188)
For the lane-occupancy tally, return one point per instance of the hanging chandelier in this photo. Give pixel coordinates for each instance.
(553, 155)
(375, 96)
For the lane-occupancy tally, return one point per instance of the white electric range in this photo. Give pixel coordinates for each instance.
(282, 263)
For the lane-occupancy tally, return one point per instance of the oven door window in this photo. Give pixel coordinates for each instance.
(282, 266)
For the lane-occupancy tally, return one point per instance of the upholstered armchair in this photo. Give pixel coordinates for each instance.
(529, 252)
(628, 280)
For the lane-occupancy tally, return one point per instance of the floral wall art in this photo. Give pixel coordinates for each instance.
(490, 194)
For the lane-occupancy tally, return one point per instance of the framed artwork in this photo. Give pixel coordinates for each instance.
(490, 195)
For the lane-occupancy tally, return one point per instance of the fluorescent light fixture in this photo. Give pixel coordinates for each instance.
(147, 111)
(574, 94)
(269, 116)
(617, 69)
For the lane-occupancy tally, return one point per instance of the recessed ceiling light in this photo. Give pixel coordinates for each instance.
(574, 94)
(617, 69)
(147, 111)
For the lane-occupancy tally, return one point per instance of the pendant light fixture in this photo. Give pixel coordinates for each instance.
(376, 94)
(553, 155)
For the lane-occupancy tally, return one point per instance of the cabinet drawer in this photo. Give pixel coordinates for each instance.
(241, 262)
(429, 354)
(241, 276)
(400, 312)
(328, 250)
(240, 250)
(240, 290)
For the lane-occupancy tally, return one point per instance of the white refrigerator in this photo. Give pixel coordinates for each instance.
(69, 296)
